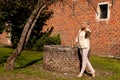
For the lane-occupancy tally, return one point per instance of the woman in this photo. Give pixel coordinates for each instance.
(84, 45)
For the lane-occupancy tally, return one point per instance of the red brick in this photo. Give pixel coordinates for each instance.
(105, 38)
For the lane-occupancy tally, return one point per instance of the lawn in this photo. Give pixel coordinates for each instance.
(29, 67)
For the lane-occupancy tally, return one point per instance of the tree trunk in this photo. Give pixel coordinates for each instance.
(33, 24)
(27, 31)
(10, 61)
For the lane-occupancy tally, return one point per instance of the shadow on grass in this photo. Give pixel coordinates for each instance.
(29, 64)
(3, 60)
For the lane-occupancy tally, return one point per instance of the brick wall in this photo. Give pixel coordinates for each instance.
(105, 38)
(61, 58)
(5, 40)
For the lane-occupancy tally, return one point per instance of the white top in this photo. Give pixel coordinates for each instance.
(82, 41)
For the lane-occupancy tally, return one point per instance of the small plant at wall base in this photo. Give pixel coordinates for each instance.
(35, 44)
(55, 40)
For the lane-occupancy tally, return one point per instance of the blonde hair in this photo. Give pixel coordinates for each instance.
(86, 22)
(85, 25)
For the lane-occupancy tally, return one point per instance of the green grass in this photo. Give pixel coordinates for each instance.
(28, 66)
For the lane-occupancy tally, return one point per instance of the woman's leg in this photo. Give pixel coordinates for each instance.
(86, 62)
(90, 66)
(84, 56)
(84, 59)
(84, 53)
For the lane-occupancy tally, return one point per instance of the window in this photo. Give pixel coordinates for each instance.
(103, 11)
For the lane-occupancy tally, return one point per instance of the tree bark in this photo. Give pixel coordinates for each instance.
(26, 32)
(33, 24)
(10, 61)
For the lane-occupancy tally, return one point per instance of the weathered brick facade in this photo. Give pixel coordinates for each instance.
(105, 37)
(5, 40)
(61, 58)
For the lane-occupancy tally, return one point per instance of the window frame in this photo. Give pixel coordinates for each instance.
(99, 12)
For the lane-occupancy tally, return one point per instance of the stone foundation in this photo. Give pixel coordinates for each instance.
(61, 58)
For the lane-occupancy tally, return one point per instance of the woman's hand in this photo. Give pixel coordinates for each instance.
(74, 44)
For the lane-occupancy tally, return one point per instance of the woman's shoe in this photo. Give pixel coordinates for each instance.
(93, 75)
(80, 75)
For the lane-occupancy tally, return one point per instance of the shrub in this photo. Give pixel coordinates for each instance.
(45, 39)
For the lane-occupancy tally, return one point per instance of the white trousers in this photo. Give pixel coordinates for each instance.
(85, 61)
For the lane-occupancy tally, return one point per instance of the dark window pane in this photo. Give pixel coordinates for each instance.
(103, 11)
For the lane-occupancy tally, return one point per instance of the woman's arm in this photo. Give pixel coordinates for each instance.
(87, 34)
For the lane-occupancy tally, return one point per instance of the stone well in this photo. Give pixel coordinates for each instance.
(61, 58)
